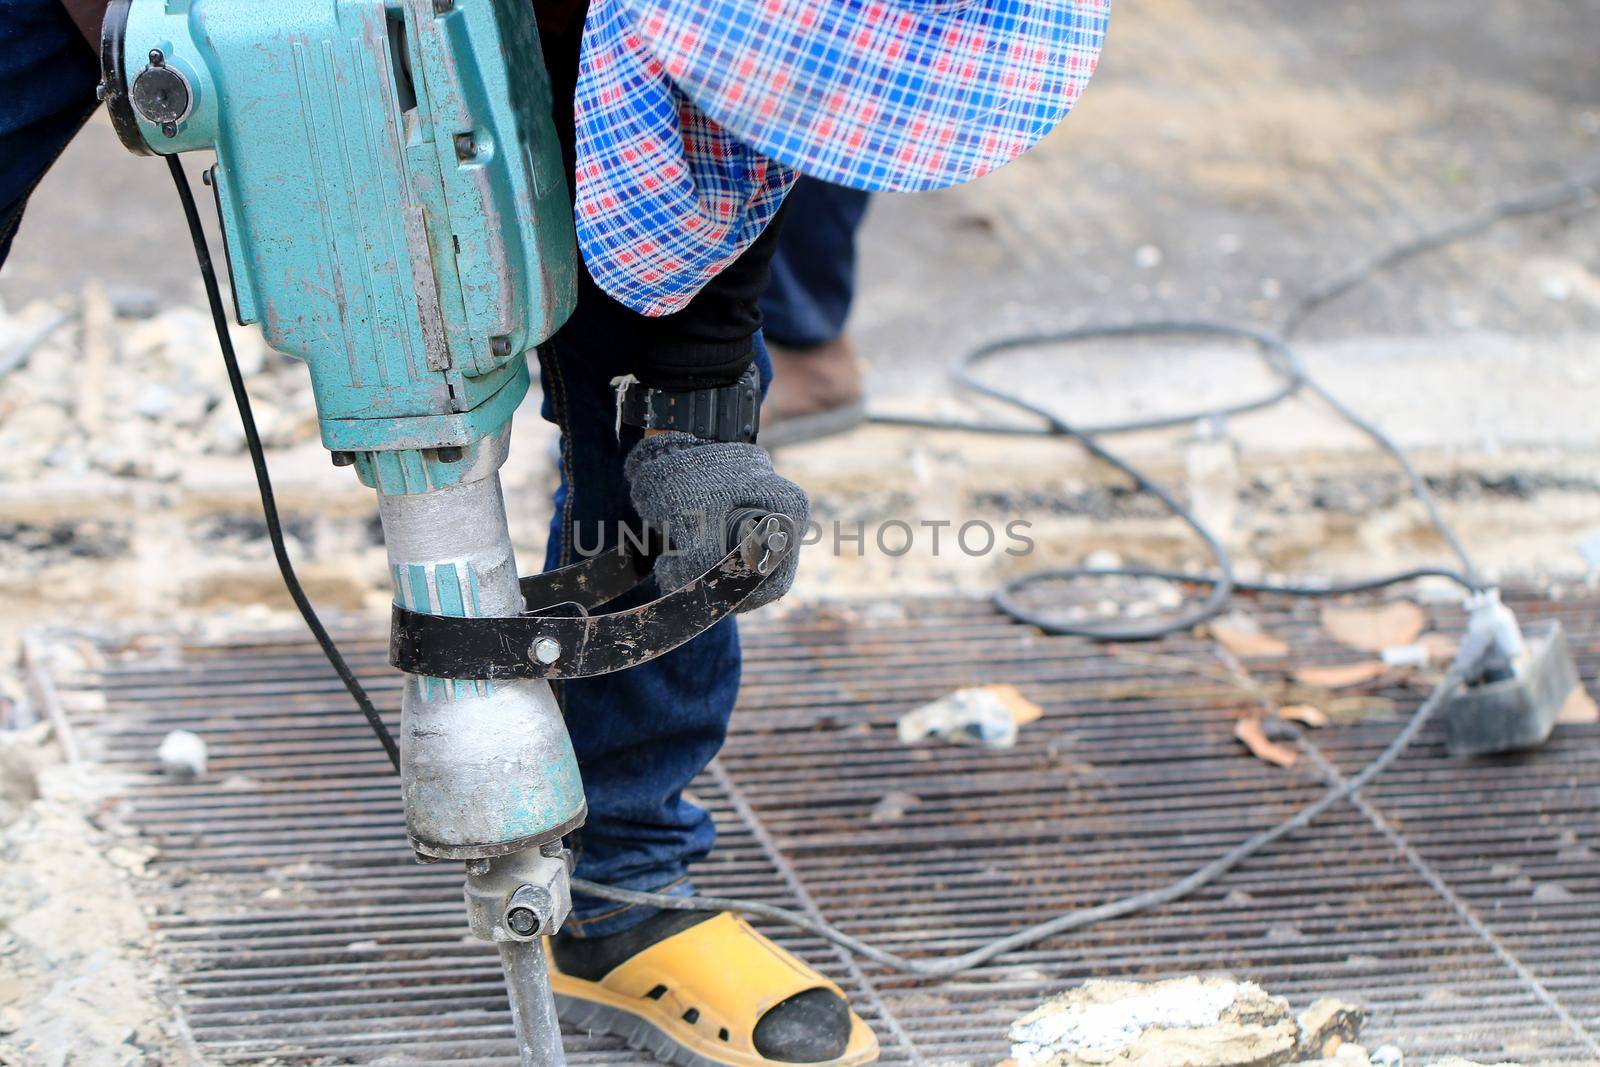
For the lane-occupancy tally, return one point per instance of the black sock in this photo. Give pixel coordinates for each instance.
(592, 958)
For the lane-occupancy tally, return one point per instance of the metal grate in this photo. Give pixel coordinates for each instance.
(1458, 903)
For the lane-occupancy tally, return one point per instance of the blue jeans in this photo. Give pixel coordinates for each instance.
(814, 270)
(640, 735)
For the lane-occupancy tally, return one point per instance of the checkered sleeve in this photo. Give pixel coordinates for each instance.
(897, 95)
(666, 198)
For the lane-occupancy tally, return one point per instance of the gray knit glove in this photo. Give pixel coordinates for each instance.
(688, 486)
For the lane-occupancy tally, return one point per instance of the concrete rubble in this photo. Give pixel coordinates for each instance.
(108, 383)
(988, 715)
(1189, 1021)
(127, 495)
(78, 981)
(182, 755)
(1192, 1022)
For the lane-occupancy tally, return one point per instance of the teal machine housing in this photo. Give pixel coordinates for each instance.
(392, 199)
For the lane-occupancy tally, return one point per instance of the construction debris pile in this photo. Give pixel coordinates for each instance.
(116, 383)
(1192, 1022)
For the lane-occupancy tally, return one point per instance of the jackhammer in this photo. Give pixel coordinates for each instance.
(396, 216)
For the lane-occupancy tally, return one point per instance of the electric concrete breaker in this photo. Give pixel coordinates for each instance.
(396, 216)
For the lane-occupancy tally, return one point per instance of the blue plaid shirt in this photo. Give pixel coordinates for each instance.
(694, 117)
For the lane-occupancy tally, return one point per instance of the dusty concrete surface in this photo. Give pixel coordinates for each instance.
(79, 982)
(1229, 156)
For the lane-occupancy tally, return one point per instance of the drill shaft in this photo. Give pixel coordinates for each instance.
(533, 1008)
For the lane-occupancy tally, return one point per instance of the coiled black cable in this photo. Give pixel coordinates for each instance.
(1280, 357)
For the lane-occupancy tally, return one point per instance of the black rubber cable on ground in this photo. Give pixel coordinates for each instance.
(258, 461)
(1282, 358)
(1551, 198)
(1222, 582)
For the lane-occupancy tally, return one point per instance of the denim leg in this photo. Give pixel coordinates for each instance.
(47, 78)
(814, 270)
(641, 735)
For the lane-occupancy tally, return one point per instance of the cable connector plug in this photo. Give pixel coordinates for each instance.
(1494, 627)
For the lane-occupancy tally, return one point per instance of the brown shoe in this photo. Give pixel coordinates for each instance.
(815, 392)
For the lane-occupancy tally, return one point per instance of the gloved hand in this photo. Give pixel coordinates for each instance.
(688, 486)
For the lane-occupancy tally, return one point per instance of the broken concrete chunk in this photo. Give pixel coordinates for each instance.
(1552, 893)
(1406, 657)
(987, 715)
(1184, 1022)
(1285, 933)
(23, 754)
(1327, 1025)
(182, 755)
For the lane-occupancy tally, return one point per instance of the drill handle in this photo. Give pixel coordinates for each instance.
(559, 636)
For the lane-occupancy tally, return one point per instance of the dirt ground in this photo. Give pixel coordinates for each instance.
(79, 984)
(1228, 156)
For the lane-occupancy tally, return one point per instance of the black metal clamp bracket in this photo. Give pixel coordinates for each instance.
(558, 636)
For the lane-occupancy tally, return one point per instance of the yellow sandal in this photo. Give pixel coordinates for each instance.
(694, 999)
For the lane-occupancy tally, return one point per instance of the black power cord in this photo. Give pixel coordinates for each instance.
(258, 462)
(1280, 356)
(1282, 359)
